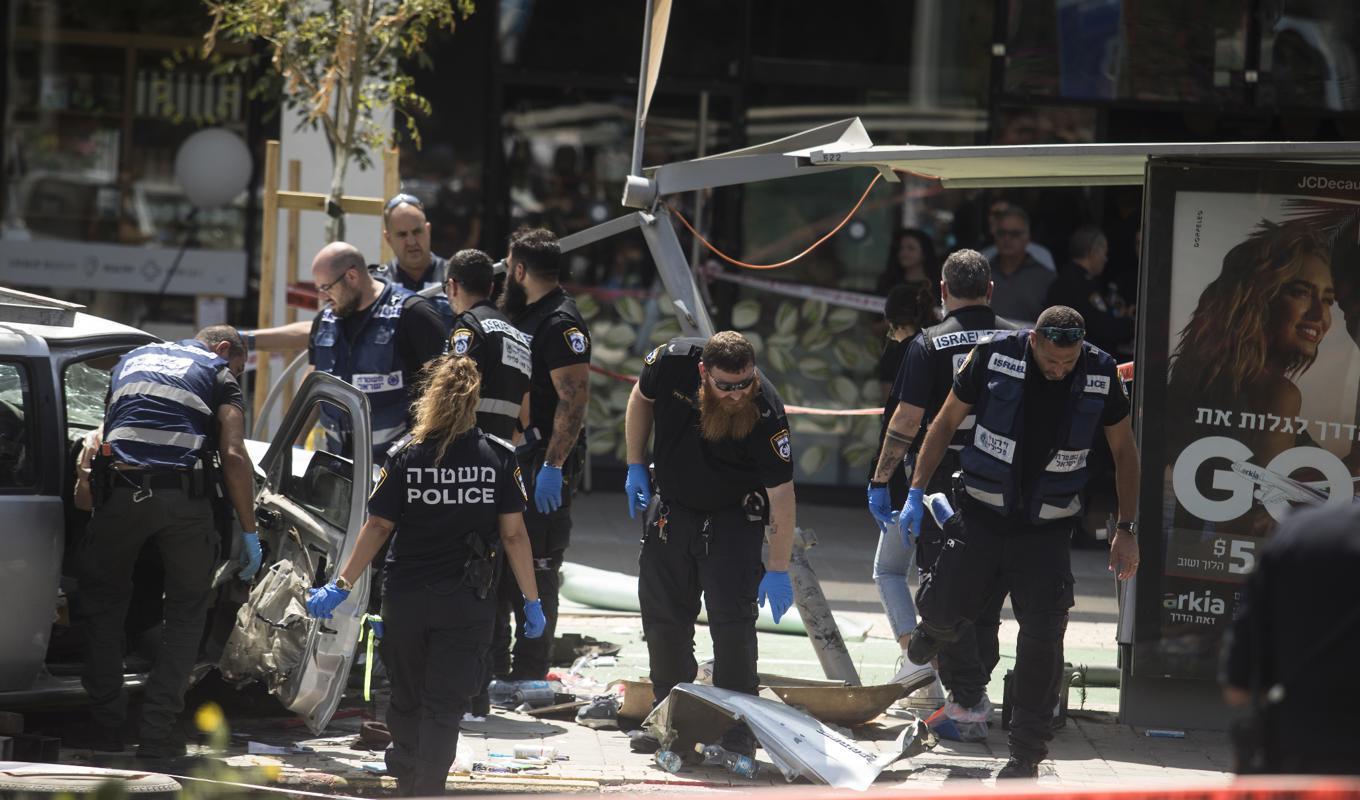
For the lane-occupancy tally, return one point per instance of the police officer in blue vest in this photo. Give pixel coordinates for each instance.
(1038, 398)
(174, 413)
(374, 335)
(414, 267)
(452, 499)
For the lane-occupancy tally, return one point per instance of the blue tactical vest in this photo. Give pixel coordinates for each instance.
(990, 461)
(371, 364)
(160, 414)
(432, 288)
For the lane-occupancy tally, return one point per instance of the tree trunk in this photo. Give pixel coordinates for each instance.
(347, 116)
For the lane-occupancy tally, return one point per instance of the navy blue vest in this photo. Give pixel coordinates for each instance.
(431, 288)
(371, 364)
(160, 413)
(991, 468)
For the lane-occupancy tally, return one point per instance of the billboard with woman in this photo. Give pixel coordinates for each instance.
(1248, 379)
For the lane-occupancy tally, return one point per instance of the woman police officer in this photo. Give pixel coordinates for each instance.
(450, 490)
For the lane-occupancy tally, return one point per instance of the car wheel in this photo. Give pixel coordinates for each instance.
(39, 779)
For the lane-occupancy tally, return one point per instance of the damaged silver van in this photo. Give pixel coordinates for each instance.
(54, 373)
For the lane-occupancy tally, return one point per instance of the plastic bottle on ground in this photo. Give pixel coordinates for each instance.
(501, 693)
(535, 751)
(668, 761)
(736, 763)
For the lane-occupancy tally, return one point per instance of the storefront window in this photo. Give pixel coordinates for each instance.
(1309, 56)
(94, 117)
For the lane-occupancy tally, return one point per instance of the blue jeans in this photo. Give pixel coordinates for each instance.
(892, 564)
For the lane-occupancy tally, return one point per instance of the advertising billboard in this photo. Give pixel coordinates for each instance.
(1248, 382)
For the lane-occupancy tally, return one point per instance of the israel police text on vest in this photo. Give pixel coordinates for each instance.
(372, 364)
(507, 366)
(990, 467)
(949, 344)
(160, 414)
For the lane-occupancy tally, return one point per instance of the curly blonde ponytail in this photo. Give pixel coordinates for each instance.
(447, 407)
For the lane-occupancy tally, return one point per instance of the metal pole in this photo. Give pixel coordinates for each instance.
(821, 625)
(640, 120)
(659, 233)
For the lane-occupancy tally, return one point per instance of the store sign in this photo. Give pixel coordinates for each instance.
(1248, 382)
(59, 264)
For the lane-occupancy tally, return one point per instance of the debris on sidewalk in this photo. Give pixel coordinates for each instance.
(798, 744)
(841, 705)
(261, 749)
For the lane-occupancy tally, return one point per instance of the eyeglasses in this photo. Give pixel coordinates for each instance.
(736, 386)
(1062, 336)
(398, 199)
(1009, 233)
(326, 287)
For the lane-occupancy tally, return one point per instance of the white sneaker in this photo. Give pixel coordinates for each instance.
(982, 712)
(913, 676)
(929, 699)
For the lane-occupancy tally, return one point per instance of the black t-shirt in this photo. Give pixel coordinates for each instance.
(1045, 403)
(561, 341)
(694, 472)
(421, 335)
(467, 339)
(436, 505)
(226, 391)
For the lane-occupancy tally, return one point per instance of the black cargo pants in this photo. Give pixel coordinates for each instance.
(713, 554)
(434, 644)
(985, 555)
(183, 529)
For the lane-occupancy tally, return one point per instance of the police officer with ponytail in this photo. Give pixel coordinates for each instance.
(484, 334)
(174, 413)
(454, 498)
(1039, 397)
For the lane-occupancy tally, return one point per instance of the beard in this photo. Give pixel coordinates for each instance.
(515, 299)
(726, 418)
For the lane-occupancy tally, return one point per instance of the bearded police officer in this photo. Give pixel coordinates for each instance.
(1038, 398)
(175, 412)
(413, 267)
(484, 334)
(454, 497)
(724, 469)
(922, 384)
(554, 442)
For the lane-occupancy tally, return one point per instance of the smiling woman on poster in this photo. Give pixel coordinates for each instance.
(1255, 330)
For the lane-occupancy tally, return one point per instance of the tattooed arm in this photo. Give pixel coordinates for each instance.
(906, 420)
(573, 391)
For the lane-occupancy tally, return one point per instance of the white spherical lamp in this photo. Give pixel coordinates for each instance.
(212, 166)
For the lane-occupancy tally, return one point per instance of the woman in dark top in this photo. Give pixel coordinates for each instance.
(911, 260)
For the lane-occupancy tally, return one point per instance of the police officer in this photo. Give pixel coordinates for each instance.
(414, 267)
(173, 410)
(484, 334)
(455, 497)
(554, 442)
(1038, 397)
(374, 335)
(724, 468)
(922, 383)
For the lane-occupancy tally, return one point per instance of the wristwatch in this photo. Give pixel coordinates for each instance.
(342, 584)
(1131, 528)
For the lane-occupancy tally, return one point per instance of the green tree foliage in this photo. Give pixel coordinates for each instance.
(336, 62)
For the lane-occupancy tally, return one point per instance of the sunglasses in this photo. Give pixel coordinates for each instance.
(408, 199)
(1062, 336)
(326, 287)
(735, 386)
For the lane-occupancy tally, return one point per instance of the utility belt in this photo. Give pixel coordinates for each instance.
(479, 570)
(108, 476)
(754, 508)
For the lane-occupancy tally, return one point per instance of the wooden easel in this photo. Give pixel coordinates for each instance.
(295, 202)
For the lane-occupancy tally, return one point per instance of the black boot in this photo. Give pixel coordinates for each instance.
(1019, 767)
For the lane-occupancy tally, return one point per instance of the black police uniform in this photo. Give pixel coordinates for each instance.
(1298, 627)
(1023, 472)
(437, 608)
(559, 338)
(705, 527)
(161, 422)
(924, 379)
(501, 352)
(433, 279)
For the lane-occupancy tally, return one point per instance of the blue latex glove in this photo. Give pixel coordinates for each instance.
(775, 587)
(637, 488)
(251, 556)
(910, 518)
(880, 505)
(322, 602)
(534, 621)
(548, 489)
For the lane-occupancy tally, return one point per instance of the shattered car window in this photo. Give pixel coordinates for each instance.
(16, 439)
(87, 383)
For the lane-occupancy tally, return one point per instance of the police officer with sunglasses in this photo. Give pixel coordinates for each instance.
(724, 470)
(1037, 398)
